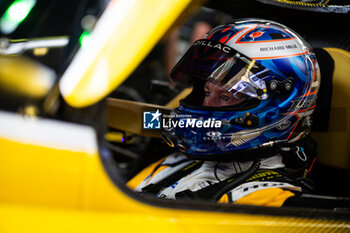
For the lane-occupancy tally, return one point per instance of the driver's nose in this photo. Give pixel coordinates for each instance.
(211, 101)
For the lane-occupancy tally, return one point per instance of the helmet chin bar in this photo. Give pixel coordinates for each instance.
(298, 154)
(261, 151)
(264, 150)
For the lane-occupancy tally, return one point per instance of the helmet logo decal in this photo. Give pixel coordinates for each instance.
(303, 104)
(214, 44)
(213, 134)
(284, 125)
(256, 34)
(242, 137)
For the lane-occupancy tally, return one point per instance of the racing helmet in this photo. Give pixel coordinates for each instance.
(269, 67)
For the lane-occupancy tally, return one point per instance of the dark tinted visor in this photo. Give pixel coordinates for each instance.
(222, 65)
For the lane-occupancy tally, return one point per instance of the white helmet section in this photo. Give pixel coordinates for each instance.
(258, 50)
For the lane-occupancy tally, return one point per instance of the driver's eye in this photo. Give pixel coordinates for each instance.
(207, 93)
(226, 98)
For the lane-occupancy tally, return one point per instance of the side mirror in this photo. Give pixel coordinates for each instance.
(23, 77)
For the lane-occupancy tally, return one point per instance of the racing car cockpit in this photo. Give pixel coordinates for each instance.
(81, 83)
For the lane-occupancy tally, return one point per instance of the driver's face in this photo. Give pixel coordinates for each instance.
(216, 96)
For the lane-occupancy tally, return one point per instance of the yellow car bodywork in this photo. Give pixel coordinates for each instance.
(52, 176)
(46, 189)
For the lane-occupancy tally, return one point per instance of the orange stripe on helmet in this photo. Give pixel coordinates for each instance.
(262, 41)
